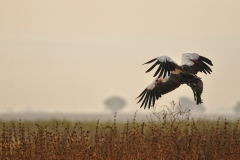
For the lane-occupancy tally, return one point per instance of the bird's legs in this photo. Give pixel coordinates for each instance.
(197, 90)
(194, 94)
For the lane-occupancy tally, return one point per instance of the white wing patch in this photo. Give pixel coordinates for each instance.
(164, 59)
(152, 85)
(165, 66)
(187, 57)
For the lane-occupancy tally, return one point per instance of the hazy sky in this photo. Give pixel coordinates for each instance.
(69, 56)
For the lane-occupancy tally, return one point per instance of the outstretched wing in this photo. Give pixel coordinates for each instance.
(166, 65)
(157, 88)
(196, 63)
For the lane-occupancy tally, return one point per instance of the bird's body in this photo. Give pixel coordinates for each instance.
(171, 76)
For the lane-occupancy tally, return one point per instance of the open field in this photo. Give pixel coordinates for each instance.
(123, 117)
(168, 134)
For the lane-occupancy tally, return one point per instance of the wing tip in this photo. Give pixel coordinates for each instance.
(150, 61)
(208, 61)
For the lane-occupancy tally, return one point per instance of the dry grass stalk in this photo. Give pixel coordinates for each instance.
(168, 134)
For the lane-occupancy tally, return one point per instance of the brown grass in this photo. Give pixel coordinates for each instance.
(167, 135)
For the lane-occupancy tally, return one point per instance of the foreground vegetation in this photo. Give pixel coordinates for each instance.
(168, 134)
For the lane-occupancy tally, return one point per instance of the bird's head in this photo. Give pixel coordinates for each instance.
(158, 81)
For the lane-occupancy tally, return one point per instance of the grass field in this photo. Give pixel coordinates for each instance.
(168, 134)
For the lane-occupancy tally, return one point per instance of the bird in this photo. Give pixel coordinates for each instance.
(169, 76)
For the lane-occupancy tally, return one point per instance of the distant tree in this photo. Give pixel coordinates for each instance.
(115, 103)
(236, 108)
(190, 104)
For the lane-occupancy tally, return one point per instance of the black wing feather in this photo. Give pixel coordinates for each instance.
(150, 61)
(162, 70)
(143, 92)
(150, 95)
(208, 61)
(201, 64)
(166, 65)
(150, 99)
(165, 70)
(144, 96)
(152, 67)
(157, 71)
(145, 104)
(208, 69)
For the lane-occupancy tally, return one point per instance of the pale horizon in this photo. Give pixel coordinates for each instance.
(58, 56)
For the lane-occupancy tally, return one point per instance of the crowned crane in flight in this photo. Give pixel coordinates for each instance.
(170, 76)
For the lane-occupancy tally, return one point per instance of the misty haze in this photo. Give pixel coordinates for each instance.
(68, 58)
